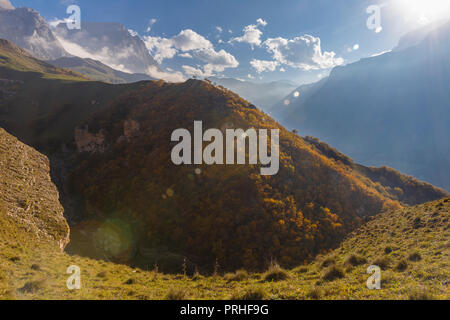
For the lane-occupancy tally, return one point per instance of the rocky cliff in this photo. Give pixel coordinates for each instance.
(27, 194)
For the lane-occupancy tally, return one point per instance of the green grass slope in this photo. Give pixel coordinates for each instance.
(13, 58)
(412, 245)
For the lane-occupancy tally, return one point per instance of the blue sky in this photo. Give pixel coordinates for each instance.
(341, 26)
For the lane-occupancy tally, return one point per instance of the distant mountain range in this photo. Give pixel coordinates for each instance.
(98, 71)
(263, 95)
(26, 28)
(390, 109)
(110, 43)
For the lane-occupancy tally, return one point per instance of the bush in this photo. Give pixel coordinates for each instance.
(415, 256)
(314, 294)
(239, 275)
(276, 273)
(401, 266)
(420, 294)
(327, 262)
(176, 294)
(333, 273)
(388, 250)
(355, 260)
(383, 263)
(32, 286)
(252, 294)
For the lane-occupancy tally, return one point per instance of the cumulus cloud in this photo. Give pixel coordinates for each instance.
(161, 48)
(150, 24)
(263, 65)
(189, 44)
(219, 29)
(261, 22)
(197, 72)
(104, 55)
(185, 55)
(303, 52)
(154, 72)
(252, 35)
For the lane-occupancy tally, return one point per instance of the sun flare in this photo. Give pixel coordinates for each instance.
(424, 11)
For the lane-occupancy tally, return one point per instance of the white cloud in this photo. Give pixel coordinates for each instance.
(219, 29)
(133, 32)
(356, 47)
(216, 60)
(188, 40)
(191, 71)
(261, 22)
(150, 24)
(250, 76)
(191, 45)
(185, 55)
(154, 72)
(104, 55)
(303, 52)
(161, 48)
(263, 65)
(252, 35)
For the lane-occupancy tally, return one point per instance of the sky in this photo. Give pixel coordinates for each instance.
(257, 40)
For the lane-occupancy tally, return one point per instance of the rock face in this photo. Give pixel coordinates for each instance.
(27, 192)
(110, 43)
(27, 29)
(5, 5)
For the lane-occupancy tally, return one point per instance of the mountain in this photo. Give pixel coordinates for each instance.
(155, 212)
(263, 95)
(6, 5)
(98, 71)
(14, 60)
(26, 28)
(390, 109)
(110, 43)
(109, 148)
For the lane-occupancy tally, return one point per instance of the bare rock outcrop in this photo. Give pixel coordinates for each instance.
(27, 193)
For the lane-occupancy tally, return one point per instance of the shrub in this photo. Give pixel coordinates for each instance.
(420, 294)
(252, 294)
(355, 260)
(327, 262)
(130, 281)
(401, 266)
(239, 275)
(333, 273)
(276, 273)
(383, 263)
(314, 294)
(176, 294)
(32, 286)
(415, 256)
(35, 267)
(388, 250)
